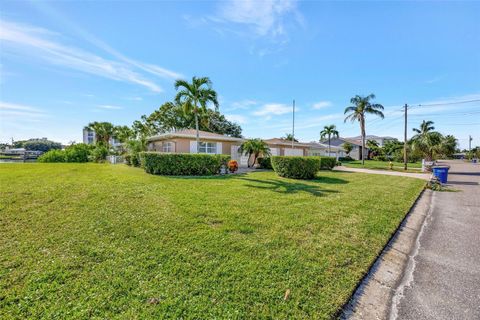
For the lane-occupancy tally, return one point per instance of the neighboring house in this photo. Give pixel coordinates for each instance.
(89, 138)
(321, 149)
(184, 141)
(283, 147)
(380, 140)
(357, 146)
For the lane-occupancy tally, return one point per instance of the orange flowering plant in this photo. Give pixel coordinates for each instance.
(232, 165)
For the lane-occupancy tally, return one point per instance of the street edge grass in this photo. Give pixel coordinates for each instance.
(380, 252)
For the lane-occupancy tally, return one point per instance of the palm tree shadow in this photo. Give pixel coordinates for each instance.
(284, 186)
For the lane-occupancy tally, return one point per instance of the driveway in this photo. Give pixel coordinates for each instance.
(424, 176)
(444, 280)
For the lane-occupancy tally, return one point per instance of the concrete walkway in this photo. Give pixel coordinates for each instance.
(423, 176)
(443, 281)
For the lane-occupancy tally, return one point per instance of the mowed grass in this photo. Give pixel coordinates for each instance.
(383, 165)
(103, 241)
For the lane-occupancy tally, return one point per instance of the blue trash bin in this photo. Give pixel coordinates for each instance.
(441, 173)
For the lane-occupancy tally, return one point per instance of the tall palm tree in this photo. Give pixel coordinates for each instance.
(254, 147)
(103, 132)
(329, 132)
(425, 128)
(361, 107)
(194, 97)
(426, 140)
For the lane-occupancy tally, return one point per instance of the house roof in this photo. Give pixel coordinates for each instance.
(340, 141)
(284, 142)
(192, 133)
(371, 136)
(319, 145)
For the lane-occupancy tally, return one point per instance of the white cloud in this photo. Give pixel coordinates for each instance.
(322, 105)
(270, 109)
(236, 118)
(244, 104)
(40, 43)
(19, 112)
(266, 18)
(109, 107)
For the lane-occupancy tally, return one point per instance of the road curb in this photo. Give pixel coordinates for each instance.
(372, 298)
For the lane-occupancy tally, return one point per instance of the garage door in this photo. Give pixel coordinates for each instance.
(293, 152)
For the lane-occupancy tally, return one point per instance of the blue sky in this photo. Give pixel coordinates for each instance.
(64, 64)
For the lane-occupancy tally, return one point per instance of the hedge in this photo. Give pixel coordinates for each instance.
(183, 164)
(54, 155)
(327, 163)
(296, 167)
(265, 163)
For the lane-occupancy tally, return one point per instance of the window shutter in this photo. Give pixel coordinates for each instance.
(193, 146)
(219, 148)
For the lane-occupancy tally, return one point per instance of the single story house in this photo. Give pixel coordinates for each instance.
(283, 147)
(357, 146)
(184, 141)
(321, 149)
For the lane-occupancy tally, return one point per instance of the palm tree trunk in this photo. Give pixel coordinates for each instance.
(329, 145)
(196, 128)
(362, 127)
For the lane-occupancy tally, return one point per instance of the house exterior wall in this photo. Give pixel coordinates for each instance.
(279, 150)
(182, 145)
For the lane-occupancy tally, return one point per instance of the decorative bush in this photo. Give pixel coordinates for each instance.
(99, 154)
(232, 165)
(52, 156)
(128, 159)
(265, 163)
(183, 164)
(347, 158)
(296, 167)
(327, 163)
(77, 152)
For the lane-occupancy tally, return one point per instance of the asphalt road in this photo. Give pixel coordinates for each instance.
(444, 281)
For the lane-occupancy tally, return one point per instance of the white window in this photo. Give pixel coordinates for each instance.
(167, 147)
(207, 147)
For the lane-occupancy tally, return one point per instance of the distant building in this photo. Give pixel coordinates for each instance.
(380, 140)
(89, 138)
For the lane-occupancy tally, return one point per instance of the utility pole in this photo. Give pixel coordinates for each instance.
(405, 140)
(293, 124)
(470, 143)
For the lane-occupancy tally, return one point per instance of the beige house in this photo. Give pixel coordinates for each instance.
(282, 147)
(184, 141)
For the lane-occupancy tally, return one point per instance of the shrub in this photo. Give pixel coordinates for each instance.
(347, 158)
(77, 152)
(380, 158)
(265, 163)
(183, 164)
(232, 165)
(128, 159)
(52, 156)
(296, 167)
(327, 163)
(99, 154)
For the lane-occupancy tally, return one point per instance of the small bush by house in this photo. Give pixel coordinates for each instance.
(54, 155)
(183, 164)
(265, 163)
(296, 167)
(347, 158)
(327, 163)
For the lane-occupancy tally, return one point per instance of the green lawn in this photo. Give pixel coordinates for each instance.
(104, 241)
(383, 165)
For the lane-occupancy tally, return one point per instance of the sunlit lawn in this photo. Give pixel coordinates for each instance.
(383, 165)
(104, 241)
